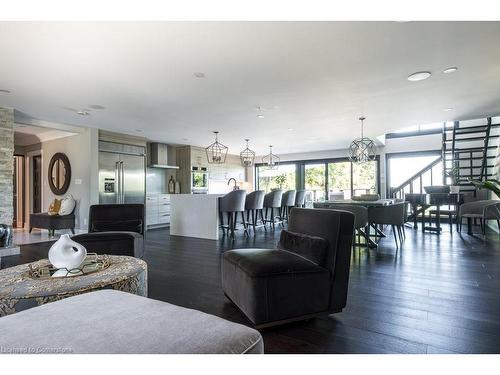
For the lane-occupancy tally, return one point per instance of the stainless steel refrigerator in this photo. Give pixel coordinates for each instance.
(122, 173)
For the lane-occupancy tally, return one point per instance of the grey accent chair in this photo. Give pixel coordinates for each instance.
(393, 215)
(300, 198)
(360, 217)
(483, 210)
(232, 204)
(306, 276)
(272, 202)
(254, 205)
(287, 202)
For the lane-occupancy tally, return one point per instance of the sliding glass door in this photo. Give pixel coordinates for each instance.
(331, 179)
(314, 183)
(339, 180)
(281, 178)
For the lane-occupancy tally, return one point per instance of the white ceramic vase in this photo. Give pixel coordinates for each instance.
(66, 253)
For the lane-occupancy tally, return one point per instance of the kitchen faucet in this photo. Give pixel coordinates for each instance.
(235, 187)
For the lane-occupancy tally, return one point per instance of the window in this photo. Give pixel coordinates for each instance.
(281, 178)
(339, 180)
(314, 182)
(364, 178)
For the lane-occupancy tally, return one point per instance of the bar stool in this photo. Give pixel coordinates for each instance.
(287, 202)
(232, 203)
(254, 205)
(272, 201)
(300, 198)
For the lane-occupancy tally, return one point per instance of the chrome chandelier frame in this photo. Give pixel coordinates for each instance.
(271, 160)
(216, 152)
(247, 156)
(362, 149)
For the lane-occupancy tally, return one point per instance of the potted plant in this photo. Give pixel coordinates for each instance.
(491, 185)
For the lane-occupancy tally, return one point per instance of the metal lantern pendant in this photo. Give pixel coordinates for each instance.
(247, 156)
(362, 149)
(216, 152)
(272, 161)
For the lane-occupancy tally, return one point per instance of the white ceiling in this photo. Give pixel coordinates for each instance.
(316, 78)
(25, 135)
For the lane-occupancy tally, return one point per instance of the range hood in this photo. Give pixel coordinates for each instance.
(158, 156)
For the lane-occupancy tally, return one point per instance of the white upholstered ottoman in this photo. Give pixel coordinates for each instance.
(110, 321)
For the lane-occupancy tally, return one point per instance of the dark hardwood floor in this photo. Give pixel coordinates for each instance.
(437, 294)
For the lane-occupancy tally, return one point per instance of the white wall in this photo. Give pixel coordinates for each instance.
(81, 150)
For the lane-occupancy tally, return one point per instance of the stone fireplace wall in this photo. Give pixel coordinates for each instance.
(6, 164)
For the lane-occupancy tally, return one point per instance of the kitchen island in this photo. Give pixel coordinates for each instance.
(195, 215)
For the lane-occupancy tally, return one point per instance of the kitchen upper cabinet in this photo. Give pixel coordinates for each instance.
(199, 157)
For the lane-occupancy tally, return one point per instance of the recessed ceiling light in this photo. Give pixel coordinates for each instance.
(448, 109)
(96, 106)
(450, 70)
(290, 129)
(419, 76)
(4, 91)
(199, 74)
(185, 139)
(82, 112)
(260, 116)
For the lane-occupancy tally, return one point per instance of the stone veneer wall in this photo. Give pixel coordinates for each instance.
(6, 164)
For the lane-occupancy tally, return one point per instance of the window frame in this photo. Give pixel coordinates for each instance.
(300, 171)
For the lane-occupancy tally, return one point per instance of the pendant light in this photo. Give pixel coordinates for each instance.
(216, 152)
(271, 160)
(362, 149)
(247, 156)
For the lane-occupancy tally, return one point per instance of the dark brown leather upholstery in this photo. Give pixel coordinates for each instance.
(272, 286)
(116, 217)
(112, 243)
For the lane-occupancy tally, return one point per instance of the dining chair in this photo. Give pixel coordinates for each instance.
(393, 215)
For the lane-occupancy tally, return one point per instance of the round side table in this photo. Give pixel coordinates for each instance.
(19, 291)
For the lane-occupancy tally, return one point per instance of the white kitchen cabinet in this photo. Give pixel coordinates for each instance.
(157, 209)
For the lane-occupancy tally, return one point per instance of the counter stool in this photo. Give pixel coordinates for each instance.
(300, 198)
(272, 201)
(232, 203)
(287, 202)
(254, 205)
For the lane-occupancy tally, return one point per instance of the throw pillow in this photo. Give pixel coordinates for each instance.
(310, 247)
(67, 205)
(54, 207)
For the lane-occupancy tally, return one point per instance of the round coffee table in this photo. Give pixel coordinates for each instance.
(19, 291)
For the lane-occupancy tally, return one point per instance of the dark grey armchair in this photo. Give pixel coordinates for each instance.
(306, 276)
(112, 243)
(483, 210)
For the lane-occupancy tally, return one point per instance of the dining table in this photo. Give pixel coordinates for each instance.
(371, 240)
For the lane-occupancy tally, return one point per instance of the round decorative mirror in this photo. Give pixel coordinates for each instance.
(59, 173)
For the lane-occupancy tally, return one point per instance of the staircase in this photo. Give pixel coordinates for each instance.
(469, 152)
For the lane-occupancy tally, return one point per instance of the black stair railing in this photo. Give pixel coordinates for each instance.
(408, 185)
